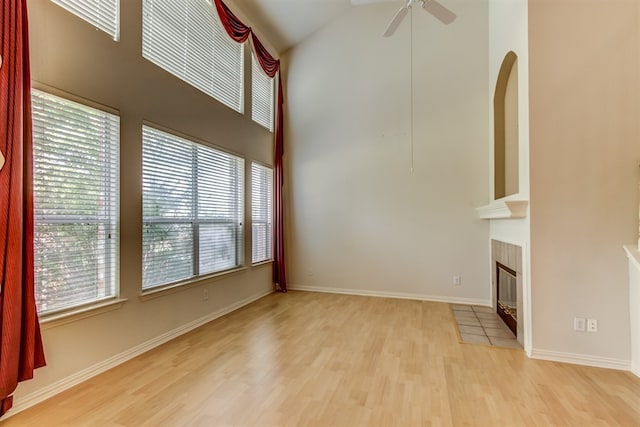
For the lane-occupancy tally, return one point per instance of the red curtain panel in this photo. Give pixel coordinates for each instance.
(279, 271)
(21, 346)
(239, 32)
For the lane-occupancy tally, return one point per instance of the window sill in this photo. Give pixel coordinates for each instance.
(262, 263)
(75, 314)
(161, 291)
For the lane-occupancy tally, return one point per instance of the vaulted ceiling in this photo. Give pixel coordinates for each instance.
(288, 22)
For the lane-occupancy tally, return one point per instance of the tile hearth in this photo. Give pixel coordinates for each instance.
(482, 325)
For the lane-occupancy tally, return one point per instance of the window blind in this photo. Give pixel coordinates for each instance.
(192, 209)
(261, 96)
(104, 14)
(76, 155)
(261, 213)
(187, 39)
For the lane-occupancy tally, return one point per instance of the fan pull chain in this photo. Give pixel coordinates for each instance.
(411, 82)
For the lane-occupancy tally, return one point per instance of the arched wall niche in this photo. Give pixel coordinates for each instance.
(505, 104)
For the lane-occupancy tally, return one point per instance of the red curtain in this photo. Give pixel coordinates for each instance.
(239, 32)
(279, 273)
(21, 347)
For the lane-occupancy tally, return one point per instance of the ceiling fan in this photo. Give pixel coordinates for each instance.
(439, 11)
(435, 8)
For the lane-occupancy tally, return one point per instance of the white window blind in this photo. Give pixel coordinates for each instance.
(104, 14)
(192, 209)
(187, 39)
(76, 155)
(261, 96)
(261, 213)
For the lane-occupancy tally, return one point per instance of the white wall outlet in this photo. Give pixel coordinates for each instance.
(205, 294)
(457, 280)
(579, 324)
(592, 325)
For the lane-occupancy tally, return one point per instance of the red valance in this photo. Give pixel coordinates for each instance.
(269, 64)
(239, 32)
(234, 26)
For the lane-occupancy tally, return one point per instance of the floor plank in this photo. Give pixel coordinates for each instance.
(318, 360)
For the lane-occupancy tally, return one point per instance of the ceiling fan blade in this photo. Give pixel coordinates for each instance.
(395, 22)
(439, 11)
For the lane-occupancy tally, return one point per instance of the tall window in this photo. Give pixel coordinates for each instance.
(261, 213)
(104, 14)
(187, 39)
(76, 155)
(192, 209)
(261, 96)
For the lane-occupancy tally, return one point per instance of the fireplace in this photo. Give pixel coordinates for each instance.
(507, 285)
(507, 296)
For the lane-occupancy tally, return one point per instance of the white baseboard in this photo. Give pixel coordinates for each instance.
(51, 390)
(398, 295)
(582, 359)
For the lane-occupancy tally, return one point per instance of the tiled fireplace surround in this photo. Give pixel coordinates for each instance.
(510, 256)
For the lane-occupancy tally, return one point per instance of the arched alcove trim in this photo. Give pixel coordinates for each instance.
(507, 72)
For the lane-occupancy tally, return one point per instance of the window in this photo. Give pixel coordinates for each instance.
(187, 39)
(192, 207)
(261, 96)
(103, 14)
(261, 213)
(76, 157)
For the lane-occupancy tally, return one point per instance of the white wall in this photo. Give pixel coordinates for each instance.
(70, 57)
(359, 219)
(508, 31)
(585, 150)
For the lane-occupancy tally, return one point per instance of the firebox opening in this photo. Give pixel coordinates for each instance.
(507, 306)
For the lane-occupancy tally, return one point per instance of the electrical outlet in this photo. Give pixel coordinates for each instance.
(579, 324)
(592, 325)
(205, 294)
(457, 280)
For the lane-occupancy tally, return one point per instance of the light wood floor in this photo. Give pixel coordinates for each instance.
(316, 359)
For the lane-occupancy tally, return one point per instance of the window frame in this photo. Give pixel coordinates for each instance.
(112, 222)
(77, 10)
(269, 209)
(238, 227)
(256, 68)
(188, 67)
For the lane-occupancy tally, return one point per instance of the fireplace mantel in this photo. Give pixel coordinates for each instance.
(504, 209)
